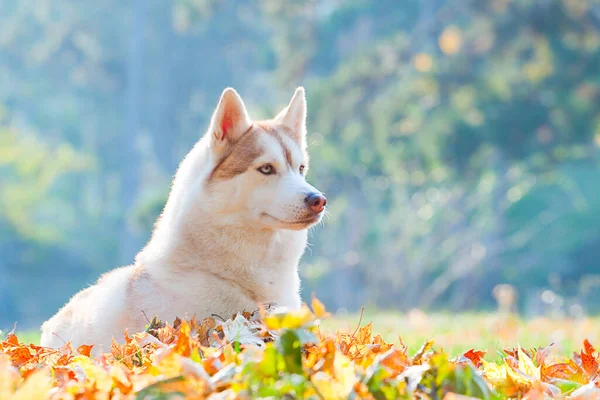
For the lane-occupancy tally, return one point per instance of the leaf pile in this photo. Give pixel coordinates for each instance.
(284, 355)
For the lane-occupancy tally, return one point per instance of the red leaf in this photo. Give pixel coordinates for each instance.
(476, 357)
(589, 364)
(588, 348)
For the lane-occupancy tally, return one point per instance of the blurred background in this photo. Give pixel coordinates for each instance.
(457, 141)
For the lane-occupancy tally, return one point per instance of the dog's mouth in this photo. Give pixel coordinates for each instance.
(296, 224)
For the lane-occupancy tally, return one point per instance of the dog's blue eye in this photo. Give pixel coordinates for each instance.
(267, 169)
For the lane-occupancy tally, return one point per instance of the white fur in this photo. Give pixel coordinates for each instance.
(217, 249)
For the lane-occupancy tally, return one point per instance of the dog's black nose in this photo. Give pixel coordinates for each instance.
(316, 202)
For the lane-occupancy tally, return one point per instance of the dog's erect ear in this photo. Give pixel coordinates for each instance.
(294, 115)
(230, 120)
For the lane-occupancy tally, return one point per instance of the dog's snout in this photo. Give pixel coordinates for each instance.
(316, 202)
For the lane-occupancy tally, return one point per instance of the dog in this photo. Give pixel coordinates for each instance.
(229, 238)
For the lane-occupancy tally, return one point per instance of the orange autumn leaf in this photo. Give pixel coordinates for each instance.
(129, 354)
(395, 360)
(541, 391)
(19, 355)
(588, 348)
(476, 357)
(179, 360)
(364, 334)
(203, 330)
(11, 339)
(514, 352)
(589, 364)
(85, 350)
(182, 346)
(417, 359)
(379, 346)
(568, 371)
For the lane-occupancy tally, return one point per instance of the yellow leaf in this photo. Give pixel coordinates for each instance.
(526, 365)
(167, 362)
(494, 373)
(424, 349)
(9, 376)
(36, 386)
(94, 373)
(290, 320)
(120, 379)
(326, 386)
(344, 374)
(505, 378)
(364, 334)
(319, 308)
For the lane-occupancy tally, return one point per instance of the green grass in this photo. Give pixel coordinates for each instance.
(27, 336)
(457, 333)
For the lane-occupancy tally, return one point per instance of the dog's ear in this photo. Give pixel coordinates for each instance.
(230, 120)
(294, 115)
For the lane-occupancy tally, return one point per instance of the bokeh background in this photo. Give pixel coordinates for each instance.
(457, 141)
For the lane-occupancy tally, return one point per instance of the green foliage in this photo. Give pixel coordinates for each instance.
(450, 128)
(32, 192)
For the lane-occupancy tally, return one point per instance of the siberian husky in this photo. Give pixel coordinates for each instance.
(229, 238)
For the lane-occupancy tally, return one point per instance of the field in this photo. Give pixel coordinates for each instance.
(457, 333)
(293, 356)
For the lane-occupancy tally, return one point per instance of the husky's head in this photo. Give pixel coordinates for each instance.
(259, 167)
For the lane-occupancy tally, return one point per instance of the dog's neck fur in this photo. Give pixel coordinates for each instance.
(188, 238)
